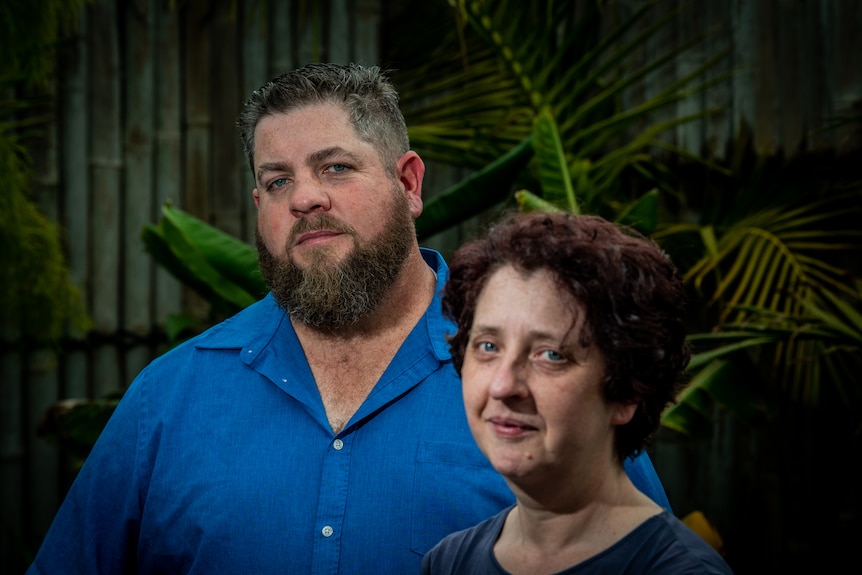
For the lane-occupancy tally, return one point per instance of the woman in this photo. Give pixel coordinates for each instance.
(570, 343)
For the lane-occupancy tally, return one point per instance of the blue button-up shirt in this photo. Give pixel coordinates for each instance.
(220, 459)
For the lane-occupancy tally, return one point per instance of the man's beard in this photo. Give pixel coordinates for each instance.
(329, 295)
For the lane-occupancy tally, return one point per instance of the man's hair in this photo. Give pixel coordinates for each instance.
(364, 92)
(630, 292)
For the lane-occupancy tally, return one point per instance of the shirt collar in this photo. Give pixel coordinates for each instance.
(439, 327)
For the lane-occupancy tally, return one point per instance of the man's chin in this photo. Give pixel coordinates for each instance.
(305, 257)
(317, 264)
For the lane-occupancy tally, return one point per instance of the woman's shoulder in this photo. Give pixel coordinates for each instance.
(466, 550)
(667, 545)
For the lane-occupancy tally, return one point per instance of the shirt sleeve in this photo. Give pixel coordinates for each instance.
(96, 528)
(643, 474)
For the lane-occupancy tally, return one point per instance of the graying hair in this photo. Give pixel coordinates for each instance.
(364, 92)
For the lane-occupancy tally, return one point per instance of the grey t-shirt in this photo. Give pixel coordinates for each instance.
(661, 544)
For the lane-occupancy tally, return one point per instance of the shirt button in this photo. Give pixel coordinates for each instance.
(338, 444)
(327, 531)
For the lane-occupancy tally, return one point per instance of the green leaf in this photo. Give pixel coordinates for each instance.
(75, 424)
(474, 194)
(508, 64)
(703, 358)
(730, 383)
(234, 259)
(553, 169)
(178, 324)
(219, 267)
(530, 202)
(157, 246)
(641, 215)
(185, 248)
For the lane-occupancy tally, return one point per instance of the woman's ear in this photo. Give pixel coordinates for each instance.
(623, 412)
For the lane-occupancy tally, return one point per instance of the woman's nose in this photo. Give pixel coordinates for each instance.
(508, 381)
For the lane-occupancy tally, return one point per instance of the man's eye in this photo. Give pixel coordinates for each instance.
(278, 183)
(337, 168)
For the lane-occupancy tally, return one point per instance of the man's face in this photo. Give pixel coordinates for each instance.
(334, 228)
(329, 294)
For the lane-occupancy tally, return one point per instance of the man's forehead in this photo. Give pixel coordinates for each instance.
(315, 108)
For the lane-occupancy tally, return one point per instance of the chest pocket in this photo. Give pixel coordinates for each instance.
(455, 487)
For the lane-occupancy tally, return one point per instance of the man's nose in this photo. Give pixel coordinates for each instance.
(309, 196)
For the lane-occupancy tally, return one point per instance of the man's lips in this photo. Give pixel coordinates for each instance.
(311, 238)
(510, 427)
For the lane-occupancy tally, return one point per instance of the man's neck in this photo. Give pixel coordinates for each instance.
(348, 362)
(406, 301)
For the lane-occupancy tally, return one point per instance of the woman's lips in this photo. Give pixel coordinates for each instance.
(508, 427)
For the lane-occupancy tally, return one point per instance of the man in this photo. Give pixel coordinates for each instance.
(320, 430)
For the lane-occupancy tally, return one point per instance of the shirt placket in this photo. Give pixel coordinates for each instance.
(332, 504)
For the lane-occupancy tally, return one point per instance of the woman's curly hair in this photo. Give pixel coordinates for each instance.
(630, 291)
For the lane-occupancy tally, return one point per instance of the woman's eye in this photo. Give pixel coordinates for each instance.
(553, 355)
(487, 347)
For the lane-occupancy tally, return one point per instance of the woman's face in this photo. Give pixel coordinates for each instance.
(533, 395)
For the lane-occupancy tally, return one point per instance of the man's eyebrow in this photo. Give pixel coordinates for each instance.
(270, 167)
(328, 153)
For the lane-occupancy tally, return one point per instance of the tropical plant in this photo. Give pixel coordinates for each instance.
(220, 268)
(527, 67)
(781, 304)
(785, 312)
(38, 300)
(779, 308)
(775, 306)
(501, 65)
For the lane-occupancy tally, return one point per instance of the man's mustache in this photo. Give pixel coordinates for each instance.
(316, 223)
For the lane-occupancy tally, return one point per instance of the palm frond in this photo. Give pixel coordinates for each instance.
(518, 60)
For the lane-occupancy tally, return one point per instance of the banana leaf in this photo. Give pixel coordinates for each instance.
(234, 259)
(553, 169)
(510, 63)
(717, 384)
(474, 194)
(219, 267)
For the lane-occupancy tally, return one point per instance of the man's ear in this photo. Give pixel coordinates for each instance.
(256, 196)
(410, 171)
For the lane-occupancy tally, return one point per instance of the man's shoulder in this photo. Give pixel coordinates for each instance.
(246, 328)
(260, 319)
